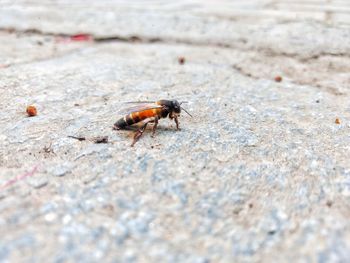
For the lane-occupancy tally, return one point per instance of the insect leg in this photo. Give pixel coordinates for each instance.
(138, 134)
(155, 126)
(177, 123)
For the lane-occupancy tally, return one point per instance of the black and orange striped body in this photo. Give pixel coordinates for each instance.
(147, 112)
(136, 117)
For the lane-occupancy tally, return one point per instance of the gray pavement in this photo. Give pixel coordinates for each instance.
(261, 173)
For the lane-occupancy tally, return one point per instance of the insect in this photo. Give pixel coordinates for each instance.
(149, 112)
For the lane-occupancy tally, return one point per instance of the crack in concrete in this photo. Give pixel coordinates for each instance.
(240, 44)
(38, 60)
(149, 40)
(325, 54)
(325, 88)
(243, 72)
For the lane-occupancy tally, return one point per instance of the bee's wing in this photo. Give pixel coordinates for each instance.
(139, 107)
(139, 102)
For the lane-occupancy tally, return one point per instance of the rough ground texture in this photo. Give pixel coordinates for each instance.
(260, 174)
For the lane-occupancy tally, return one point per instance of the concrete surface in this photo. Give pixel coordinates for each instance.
(260, 174)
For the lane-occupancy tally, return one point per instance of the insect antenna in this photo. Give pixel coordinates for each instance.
(184, 109)
(187, 112)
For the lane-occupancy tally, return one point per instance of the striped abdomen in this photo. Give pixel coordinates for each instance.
(136, 117)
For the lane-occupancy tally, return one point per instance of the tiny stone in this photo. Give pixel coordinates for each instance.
(38, 181)
(31, 111)
(89, 178)
(59, 170)
(50, 217)
(66, 219)
(278, 78)
(181, 60)
(101, 139)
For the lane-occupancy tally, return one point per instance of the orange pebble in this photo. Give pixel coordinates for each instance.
(31, 111)
(181, 60)
(337, 121)
(278, 78)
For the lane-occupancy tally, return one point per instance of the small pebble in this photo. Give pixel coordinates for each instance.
(182, 60)
(31, 111)
(50, 217)
(38, 181)
(100, 139)
(278, 78)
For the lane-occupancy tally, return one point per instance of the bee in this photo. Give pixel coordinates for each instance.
(149, 112)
